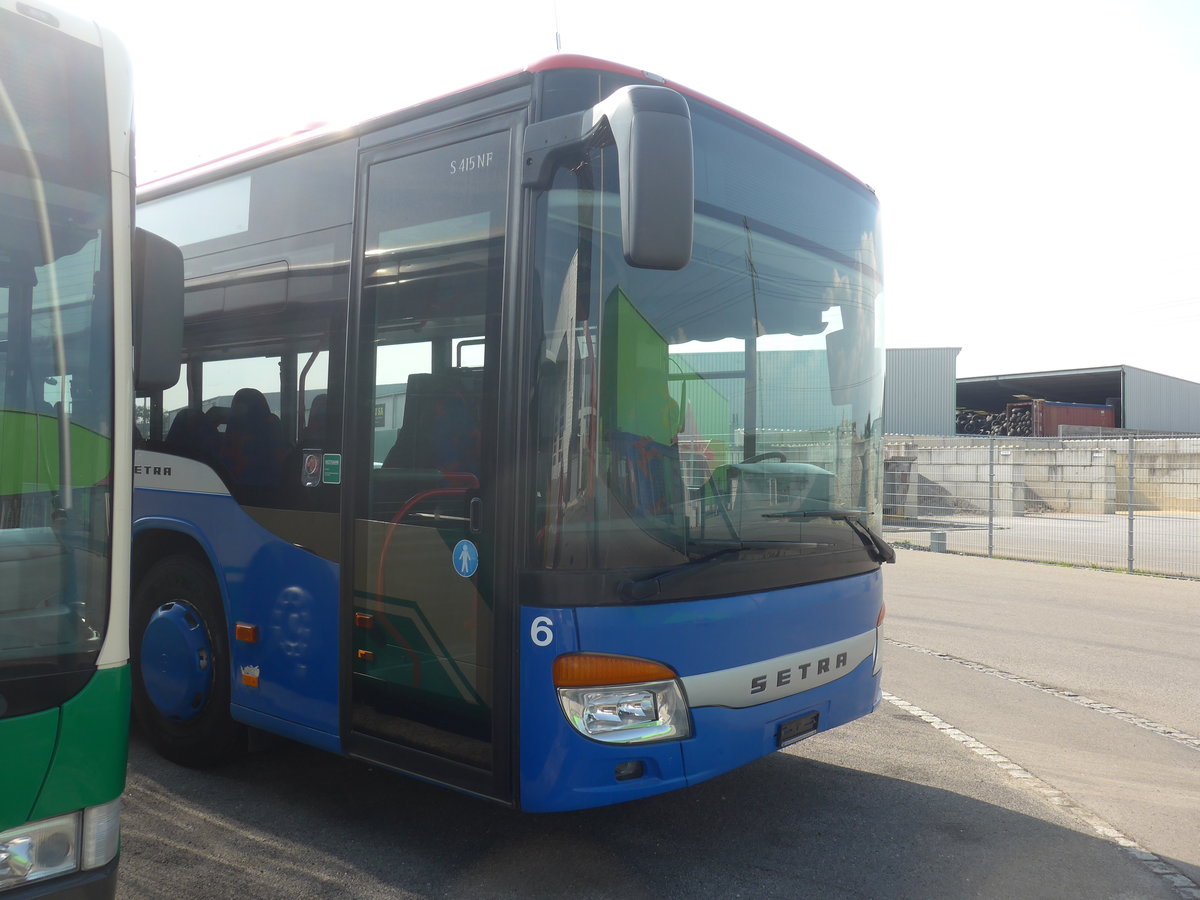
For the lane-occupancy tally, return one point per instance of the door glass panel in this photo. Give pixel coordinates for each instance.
(432, 274)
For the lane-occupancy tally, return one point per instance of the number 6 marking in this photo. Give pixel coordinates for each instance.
(541, 632)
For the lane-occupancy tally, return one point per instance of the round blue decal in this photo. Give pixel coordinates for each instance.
(466, 558)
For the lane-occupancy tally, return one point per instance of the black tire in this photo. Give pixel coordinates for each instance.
(211, 736)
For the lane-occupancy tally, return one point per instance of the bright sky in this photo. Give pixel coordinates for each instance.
(1037, 161)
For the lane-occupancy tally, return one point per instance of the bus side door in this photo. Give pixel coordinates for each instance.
(425, 674)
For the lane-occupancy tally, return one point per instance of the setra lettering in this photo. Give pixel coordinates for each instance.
(784, 677)
(152, 470)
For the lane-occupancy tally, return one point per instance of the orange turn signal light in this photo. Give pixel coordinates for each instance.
(596, 669)
(882, 613)
(246, 633)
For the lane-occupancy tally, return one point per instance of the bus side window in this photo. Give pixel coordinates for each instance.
(251, 451)
(314, 434)
(252, 447)
(193, 434)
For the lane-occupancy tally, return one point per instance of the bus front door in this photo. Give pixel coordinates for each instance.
(429, 283)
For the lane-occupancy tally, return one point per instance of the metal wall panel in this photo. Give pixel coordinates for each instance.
(920, 391)
(1154, 402)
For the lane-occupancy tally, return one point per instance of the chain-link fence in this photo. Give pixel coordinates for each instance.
(1130, 503)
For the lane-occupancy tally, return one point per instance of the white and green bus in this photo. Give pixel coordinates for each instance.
(68, 278)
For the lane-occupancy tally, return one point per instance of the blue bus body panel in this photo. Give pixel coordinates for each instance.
(322, 740)
(738, 736)
(724, 632)
(561, 769)
(291, 595)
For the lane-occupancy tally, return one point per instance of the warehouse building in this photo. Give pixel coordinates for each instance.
(923, 394)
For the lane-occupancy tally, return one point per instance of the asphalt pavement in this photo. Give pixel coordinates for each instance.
(974, 779)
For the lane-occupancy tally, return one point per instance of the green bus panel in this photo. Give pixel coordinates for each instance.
(89, 765)
(26, 748)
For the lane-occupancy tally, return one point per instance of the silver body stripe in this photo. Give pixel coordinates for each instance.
(163, 472)
(783, 676)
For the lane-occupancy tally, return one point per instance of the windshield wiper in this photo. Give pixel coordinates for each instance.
(652, 586)
(880, 550)
(645, 588)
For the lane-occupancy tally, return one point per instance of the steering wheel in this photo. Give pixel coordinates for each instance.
(762, 457)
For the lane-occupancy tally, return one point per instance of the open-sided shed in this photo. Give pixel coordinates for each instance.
(1142, 400)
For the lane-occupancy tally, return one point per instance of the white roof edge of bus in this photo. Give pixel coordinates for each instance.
(316, 130)
(198, 171)
(68, 23)
(312, 131)
(244, 154)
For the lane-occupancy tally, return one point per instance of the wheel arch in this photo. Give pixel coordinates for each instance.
(156, 539)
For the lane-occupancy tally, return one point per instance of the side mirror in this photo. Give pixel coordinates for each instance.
(157, 312)
(651, 129)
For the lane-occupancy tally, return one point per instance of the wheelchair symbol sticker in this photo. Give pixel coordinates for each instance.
(466, 558)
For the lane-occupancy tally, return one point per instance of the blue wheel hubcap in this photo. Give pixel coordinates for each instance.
(177, 661)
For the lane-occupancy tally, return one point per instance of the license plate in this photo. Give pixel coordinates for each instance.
(797, 729)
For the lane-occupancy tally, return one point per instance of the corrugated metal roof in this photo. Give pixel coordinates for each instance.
(991, 393)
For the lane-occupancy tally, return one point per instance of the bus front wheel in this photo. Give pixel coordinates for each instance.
(179, 651)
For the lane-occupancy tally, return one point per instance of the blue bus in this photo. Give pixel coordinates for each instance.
(529, 443)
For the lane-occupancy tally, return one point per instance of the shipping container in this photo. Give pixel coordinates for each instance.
(1047, 415)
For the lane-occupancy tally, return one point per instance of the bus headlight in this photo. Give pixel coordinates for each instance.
(621, 699)
(628, 714)
(39, 850)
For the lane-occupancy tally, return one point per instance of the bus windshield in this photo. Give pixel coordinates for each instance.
(726, 412)
(56, 403)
